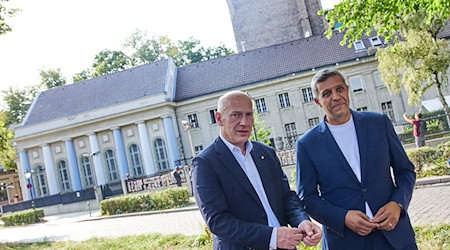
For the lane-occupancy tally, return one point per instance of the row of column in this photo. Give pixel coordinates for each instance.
(121, 158)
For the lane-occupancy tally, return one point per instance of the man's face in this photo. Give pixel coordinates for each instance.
(236, 119)
(332, 97)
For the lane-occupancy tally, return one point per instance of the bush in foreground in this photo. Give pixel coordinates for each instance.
(164, 199)
(23, 217)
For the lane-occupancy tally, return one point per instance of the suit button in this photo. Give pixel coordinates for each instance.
(363, 190)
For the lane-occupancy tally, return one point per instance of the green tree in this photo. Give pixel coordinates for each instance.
(17, 103)
(416, 58)
(52, 78)
(107, 62)
(6, 12)
(262, 133)
(83, 75)
(7, 151)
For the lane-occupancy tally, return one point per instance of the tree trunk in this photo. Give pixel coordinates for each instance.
(442, 98)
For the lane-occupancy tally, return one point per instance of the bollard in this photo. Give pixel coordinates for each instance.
(89, 207)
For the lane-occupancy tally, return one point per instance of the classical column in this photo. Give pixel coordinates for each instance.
(146, 148)
(26, 168)
(73, 166)
(171, 140)
(122, 158)
(50, 170)
(95, 153)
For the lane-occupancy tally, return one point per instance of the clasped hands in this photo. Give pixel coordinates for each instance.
(385, 219)
(307, 231)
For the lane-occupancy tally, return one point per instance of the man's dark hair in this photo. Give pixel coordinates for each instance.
(323, 75)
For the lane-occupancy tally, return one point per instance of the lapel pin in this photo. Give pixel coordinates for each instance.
(262, 157)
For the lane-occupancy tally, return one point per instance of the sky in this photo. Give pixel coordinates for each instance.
(51, 34)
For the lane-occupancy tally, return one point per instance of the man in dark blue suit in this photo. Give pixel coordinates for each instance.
(241, 190)
(353, 174)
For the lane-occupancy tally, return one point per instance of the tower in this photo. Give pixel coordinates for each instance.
(263, 23)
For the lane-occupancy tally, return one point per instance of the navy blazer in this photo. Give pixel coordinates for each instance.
(329, 188)
(229, 203)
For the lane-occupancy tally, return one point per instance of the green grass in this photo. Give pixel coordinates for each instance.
(428, 238)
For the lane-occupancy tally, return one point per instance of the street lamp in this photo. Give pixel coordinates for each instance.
(30, 186)
(188, 127)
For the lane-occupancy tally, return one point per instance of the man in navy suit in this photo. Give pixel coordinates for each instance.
(241, 190)
(353, 174)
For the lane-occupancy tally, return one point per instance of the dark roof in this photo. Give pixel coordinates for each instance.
(263, 64)
(100, 92)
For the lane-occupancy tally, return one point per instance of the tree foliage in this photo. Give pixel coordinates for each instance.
(415, 57)
(7, 151)
(17, 103)
(52, 78)
(139, 49)
(6, 12)
(259, 128)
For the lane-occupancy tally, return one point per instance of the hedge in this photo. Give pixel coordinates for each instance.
(23, 217)
(164, 199)
(430, 161)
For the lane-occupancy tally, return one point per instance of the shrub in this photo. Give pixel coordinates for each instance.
(430, 161)
(23, 217)
(165, 199)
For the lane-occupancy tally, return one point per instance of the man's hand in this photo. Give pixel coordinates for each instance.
(387, 216)
(288, 238)
(359, 222)
(312, 234)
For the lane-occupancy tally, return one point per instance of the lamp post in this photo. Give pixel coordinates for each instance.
(97, 190)
(30, 186)
(188, 127)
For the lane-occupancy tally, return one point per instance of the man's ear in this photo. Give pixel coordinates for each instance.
(218, 117)
(317, 101)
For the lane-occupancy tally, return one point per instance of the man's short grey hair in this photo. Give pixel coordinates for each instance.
(222, 100)
(322, 76)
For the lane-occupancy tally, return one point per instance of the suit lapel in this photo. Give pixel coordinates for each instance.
(232, 165)
(361, 134)
(329, 142)
(265, 174)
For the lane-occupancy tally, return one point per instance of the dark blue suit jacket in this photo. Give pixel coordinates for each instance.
(229, 203)
(329, 188)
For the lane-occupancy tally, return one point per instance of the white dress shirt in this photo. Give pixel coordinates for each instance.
(248, 165)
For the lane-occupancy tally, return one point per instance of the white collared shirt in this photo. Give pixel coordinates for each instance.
(248, 166)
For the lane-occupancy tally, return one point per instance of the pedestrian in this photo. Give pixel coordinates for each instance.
(419, 128)
(344, 173)
(241, 190)
(177, 176)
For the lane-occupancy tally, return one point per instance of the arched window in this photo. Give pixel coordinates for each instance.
(41, 184)
(136, 162)
(63, 176)
(88, 179)
(161, 155)
(112, 165)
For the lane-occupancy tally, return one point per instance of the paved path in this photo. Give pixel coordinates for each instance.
(430, 205)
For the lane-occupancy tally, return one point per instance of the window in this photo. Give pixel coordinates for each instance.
(378, 81)
(112, 165)
(313, 122)
(41, 185)
(307, 95)
(193, 120)
(161, 155)
(136, 161)
(87, 177)
(362, 109)
(375, 41)
(212, 118)
(387, 109)
(284, 100)
(356, 83)
(198, 149)
(291, 131)
(261, 105)
(63, 176)
(359, 46)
